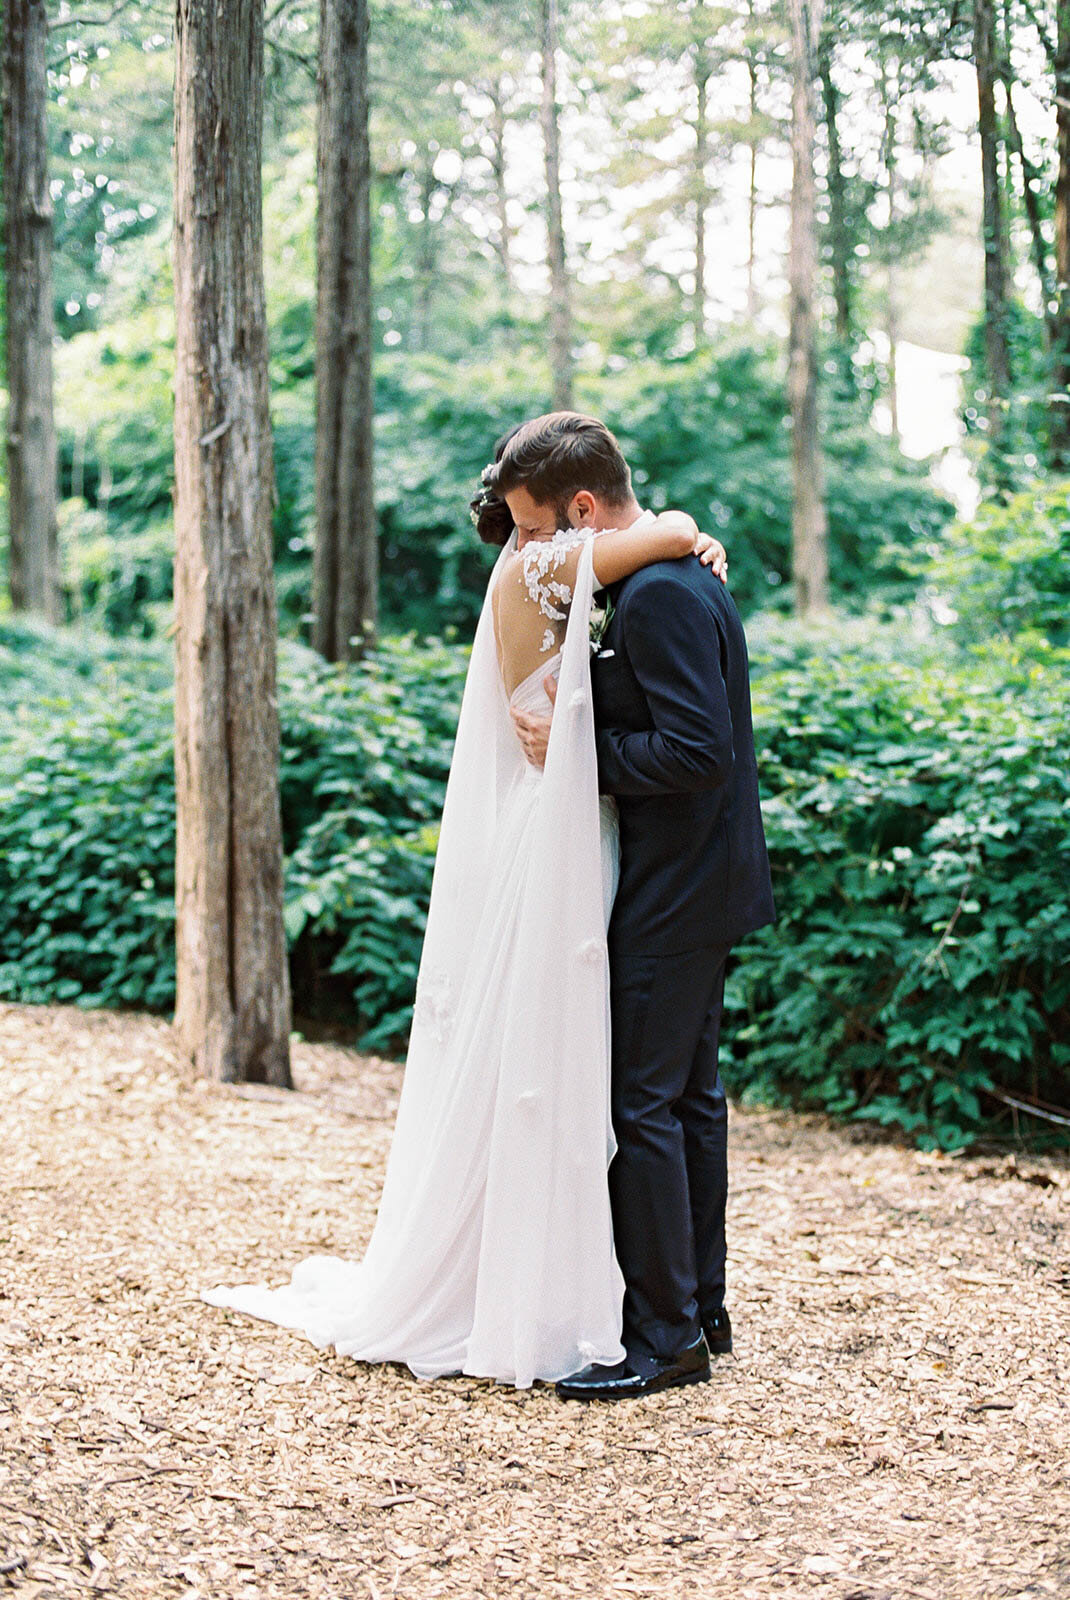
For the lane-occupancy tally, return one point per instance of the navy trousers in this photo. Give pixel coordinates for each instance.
(668, 1181)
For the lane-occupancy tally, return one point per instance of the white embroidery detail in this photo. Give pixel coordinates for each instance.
(549, 639)
(540, 559)
(433, 1007)
(578, 699)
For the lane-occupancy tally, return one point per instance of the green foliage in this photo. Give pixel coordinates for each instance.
(917, 817)
(111, 121)
(711, 434)
(87, 827)
(707, 432)
(114, 416)
(917, 803)
(1011, 462)
(1006, 573)
(437, 424)
(365, 755)
(87, 835)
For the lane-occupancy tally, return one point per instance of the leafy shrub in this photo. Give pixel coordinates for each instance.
(87, 823)
(917, 817)
(365, 756)
(1007, 571)
(1010, 461)
(917, 803)
(87, 833)
(708, 432)
(711, 434)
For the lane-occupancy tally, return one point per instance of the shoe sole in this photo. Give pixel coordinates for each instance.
(701, 1376)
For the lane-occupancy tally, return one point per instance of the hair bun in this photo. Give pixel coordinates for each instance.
(491, 515)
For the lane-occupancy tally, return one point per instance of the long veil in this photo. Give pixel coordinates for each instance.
(492, 1249)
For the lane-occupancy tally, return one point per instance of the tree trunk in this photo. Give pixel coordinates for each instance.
(702, 141)
(839, 233)
(560, 296)
(425, 257)
(33, 554)
(809, 519)
(891, 328)
(752, 192)
(1060, 402)
(997, 358)
(889, 96)
(504, 242)
(347, 563)
(232, 1014)
(1032, 179)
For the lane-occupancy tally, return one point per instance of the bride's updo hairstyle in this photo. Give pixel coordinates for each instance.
(553, 457)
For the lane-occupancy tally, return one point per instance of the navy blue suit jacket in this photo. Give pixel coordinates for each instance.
(676, 747)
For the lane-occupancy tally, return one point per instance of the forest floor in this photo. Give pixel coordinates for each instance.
(894, 1422)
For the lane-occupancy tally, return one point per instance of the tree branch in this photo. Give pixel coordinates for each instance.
(76, 21)
(1062, 1118)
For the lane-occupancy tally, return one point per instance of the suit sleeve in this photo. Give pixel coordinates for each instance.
(674, 647)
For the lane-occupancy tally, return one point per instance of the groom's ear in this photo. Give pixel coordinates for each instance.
(581, 508)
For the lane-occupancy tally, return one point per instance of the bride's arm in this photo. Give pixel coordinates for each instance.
(710, 551)
(549, 566)
(618, 552)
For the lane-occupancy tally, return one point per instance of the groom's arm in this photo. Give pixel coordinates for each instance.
(674, 647)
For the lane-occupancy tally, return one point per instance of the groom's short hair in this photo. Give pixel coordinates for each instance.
(555, 456)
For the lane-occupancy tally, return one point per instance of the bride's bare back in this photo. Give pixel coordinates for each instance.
(531, 604)
(533, 595)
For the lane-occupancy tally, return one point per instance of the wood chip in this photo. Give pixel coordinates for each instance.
(886, 1424)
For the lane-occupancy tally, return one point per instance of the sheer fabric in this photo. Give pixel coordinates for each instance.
(532, 599)
(492, 1252)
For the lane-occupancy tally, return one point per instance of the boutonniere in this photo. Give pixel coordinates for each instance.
(600, 619)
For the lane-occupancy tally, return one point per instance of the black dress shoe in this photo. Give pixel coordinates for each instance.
(718, 1331)
(635, 1376)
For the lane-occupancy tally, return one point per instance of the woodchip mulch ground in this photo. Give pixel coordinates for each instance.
(893, 1424)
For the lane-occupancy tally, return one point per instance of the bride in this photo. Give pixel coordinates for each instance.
(492, 1252)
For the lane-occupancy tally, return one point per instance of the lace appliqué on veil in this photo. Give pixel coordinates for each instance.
(541, 559)
(434, 1004)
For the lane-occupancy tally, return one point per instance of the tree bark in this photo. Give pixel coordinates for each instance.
(839, 234)
(752, 191)
(425, 256)
(560, 292)
(1060, 401)
(232, 1014)
(33, 551)
(809, 517)
(503, 244)
(997, 356)
(889, 96)
(1031, 181)
(702, 141)
(346, 577)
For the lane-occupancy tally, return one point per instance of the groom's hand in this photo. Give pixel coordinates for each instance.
(534, 732)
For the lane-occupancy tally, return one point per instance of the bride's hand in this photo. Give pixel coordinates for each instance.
(712, 553)
(534, 732)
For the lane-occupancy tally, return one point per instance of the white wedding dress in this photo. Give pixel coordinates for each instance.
(492, 1252)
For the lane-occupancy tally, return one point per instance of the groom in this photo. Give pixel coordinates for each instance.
(675, 746)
